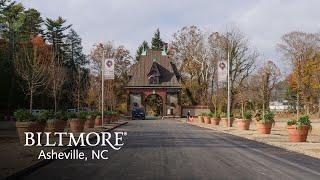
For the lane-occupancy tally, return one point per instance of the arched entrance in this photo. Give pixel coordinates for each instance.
(153, 105)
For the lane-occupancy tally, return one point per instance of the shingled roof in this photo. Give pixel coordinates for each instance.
(167, 69)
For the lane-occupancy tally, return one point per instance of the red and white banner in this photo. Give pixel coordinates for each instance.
(222, 71)
(109, 69)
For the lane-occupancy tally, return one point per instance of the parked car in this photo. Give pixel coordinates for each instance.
(138, 113)
(35, 111)
(78, 110)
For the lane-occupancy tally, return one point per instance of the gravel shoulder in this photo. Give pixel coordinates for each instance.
(278, 137)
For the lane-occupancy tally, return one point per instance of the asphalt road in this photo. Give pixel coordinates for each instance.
(169, 149)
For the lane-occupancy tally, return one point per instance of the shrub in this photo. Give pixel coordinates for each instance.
(44, 115)
(111, 112)
(268, 117)
(223, 115)
(215, 115)
(247, 115)
(302, 121)
(291, 122)
(23, 115)
(204, 114)
(71, 115)
(82, 115)
(61, 115)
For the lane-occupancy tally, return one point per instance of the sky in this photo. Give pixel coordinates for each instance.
(129, 22)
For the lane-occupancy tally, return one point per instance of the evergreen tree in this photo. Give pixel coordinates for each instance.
(75, 61)
(32, 24)
(55, 34)
(156, 43)
(73, 50)
(143, 47)
(11, 20)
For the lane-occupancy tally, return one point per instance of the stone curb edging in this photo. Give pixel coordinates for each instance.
(44, 162)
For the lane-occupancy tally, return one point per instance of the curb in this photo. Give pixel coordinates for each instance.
(44, 162)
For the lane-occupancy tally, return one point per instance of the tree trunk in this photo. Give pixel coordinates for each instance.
(55, 101)
(31, 101)
(242, 107)
(298, 105)
(55, 95)
(319, 108)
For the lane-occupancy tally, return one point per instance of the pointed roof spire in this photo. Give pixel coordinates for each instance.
(144, 52)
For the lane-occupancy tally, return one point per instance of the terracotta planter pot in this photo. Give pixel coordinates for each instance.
(55, 126)
(243, 124)
(190, 119)
(200, 119)
(255, 120)
(89, 123)
(107, 119)
(50, 127)
(60, 125)
(206, 120)
(215, 121)
(264, 128)
(298, 134)
(23, 127)
(226, 123)
(114, 118)
(76, 125)
(98, 121)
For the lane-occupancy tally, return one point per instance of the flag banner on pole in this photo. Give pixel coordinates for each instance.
(222, 71)
(109, 69)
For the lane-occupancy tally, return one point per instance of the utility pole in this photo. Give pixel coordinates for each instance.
(102, 85)
(228, 68)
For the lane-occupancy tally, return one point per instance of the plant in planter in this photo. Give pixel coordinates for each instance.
(215, 118)
(48, 117)
(61, 118)
(244, 124)
(200, 118)
(76, 121)
(114, 116)
(206, 118)
(98, 119)
(90, 118)
(265, 124)
(107, 117)
(223, 118)
(26, 122)
(298, 129)
(226, 122)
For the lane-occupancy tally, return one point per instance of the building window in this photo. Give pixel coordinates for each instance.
(153, 80)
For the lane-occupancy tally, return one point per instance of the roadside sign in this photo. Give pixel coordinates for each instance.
(109, 69)
(222, 71)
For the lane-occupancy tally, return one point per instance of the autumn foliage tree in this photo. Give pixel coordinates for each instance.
(302, 50)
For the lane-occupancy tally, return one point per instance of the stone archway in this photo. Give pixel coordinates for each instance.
(154, 105)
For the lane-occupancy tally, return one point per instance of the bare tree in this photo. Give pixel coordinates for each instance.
(193, 56)
(57, 77)
(31, 66)
(97, 54)
(270, 75)
(242, 58)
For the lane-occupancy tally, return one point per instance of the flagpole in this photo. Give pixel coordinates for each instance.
(228, 108)
(102, 87)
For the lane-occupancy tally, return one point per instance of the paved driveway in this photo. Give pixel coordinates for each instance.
(170, 149)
